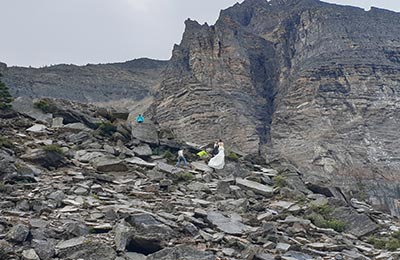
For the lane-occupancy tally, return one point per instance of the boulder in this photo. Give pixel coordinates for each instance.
(18, 233)
(86, 249)
(143, 150)
(145, 132)
(38, 128)
(255, 187)
(45, 158)
(227, 225)
(30, 254)
(356, 223)
(109, 164)
(181, 252)
(140, 162)
(201, 166)
(44, 249)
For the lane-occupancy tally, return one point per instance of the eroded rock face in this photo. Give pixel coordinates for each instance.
(312, 83)
(91, 83)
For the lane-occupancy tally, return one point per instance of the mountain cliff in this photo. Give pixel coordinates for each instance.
(91, 83)
(301, 81)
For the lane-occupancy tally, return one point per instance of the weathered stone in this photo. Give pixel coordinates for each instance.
(18, 233)
(110, 164)
(227, 225)
(44, 249)
(255, 187)
(143, 150)
(201, 166)
(38, 128)
(181, 252)
(146, 132)
(122, 236)
(85, 248)
(168, 168)
(140, 162)
(30, 254)
(356, 223)
(45, 158)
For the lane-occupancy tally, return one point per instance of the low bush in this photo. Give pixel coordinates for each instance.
(43, 105)
(5, 96)
(107, 128)
(54, 148)
(232, 156)
(279, 181)
(4, 142)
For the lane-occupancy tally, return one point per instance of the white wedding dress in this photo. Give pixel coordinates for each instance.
(218, 161)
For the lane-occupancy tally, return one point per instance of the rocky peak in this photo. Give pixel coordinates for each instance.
(301, 81)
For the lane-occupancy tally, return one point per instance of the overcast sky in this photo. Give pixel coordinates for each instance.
(44, 32)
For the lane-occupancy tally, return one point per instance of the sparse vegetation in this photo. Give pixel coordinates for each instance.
(232, 156)
(2, 187)
(323, 210)
(5, 143)
(169, 156)
(391, 242)
(107, 128)
(54, 148)
(5, 96)
(279, 181)
(43, 105)
(321, 218)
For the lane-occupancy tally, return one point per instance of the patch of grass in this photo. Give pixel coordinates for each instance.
(43, 105)
(184, 177)
(54, 148)
(2, 187)
(107, 128)
(322, 222)
(391, 243)
(279, 181)
(95, 196)
(232, 156)
(5, 96)
(169, 156)
(323, 210)
(4, 142)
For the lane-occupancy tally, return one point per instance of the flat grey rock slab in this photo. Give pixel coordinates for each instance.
(143, 150)
(227, 225)
(255, 187)
(110, 164)
(38, 128)
(168, 168)
(140, 162)
(201, 166)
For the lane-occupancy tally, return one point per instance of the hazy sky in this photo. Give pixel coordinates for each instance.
(44, 32)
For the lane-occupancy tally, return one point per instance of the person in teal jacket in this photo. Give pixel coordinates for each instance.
(140, 119)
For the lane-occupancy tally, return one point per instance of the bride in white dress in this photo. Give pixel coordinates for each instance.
(218, 161)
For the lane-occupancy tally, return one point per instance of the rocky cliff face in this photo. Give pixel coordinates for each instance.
(133, 80)
(311, 83)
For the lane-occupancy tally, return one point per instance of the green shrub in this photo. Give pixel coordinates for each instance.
(5, 96)
(107, 128)
(169, 156)
(393, 244)
(232, 156)
(335, 224)
(43, 105)
(2, 187)
(53, 148)
(324, 210)
(4, 142)
(323, 222)
(279, 181)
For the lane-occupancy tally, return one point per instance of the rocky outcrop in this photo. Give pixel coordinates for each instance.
(131, 80)
(302, 81)
(103, 202)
